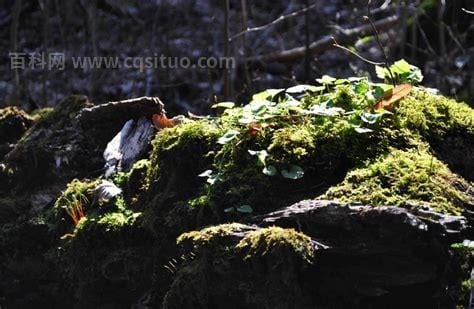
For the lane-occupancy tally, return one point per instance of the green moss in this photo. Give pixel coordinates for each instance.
(41, 113)
(274, 241)
(13, 124)
(292, 144)
(188, 143)
(405, 176)
(132, 182)
(59, 118)
(434, 116)
(209, 236)
(77, 192)
(108, 222)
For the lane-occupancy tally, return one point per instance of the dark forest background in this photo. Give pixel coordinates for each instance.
(437, 36)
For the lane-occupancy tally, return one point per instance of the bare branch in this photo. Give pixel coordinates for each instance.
(468, 12)
(274, 22)
(356, 54)
(325, 43)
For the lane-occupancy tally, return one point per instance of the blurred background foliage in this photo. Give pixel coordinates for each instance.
(435, 35)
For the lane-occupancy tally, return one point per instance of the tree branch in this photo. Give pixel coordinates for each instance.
(344, 37)
(274, 22)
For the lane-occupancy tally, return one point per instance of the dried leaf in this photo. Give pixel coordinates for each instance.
(254, 128)
(393, 95)
(161, 122)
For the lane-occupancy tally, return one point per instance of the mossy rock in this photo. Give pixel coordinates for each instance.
(52, 150)
(406, 177)
(133, 182)
(13, 124)
(245, 266)
(446, 124)
(326, 148)
(106, 260)
(179, 155)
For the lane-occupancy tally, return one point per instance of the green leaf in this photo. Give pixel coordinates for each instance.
(294, 172)
(228, 136)
(229, 209)
(303, 88)
(206, 173)
(370, 118)
(223, 105)
(401, 66)
(270, 170)
(246, 119)
(211, 177)
(246, 209)
(361, 87)
(363, 130)
(326, 80)
(378, 92)
(265, 95)
(380, 72)
(341, 81)
(261, 156)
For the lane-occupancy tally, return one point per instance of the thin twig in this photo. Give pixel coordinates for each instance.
(274, 22)
(356, 54)
(467, 11)
(377, 37)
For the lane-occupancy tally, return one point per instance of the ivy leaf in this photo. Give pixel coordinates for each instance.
(363, 130)
(294, 172)
(326, 80)
(265, 95)
(401, 66)
(381, 72)
(228, 136)
(206, 173)
(224, 105)
(303, 88)
(361, 87)
(246, 119)
(261, 156)
(245, 209)
(211, 177)
(270, 170)
(370, 118)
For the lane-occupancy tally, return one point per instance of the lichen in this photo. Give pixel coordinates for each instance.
(410, 176)
(275, 241)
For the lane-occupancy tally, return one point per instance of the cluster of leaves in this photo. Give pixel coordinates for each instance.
(401, 71)
(355, 100)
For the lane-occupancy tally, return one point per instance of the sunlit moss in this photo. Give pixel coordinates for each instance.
(434, 115)
(187, 143)
(208, 236)
(405, 176)
(275, 241)
(77, 192)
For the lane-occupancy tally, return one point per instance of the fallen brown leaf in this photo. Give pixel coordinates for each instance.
(393, 95)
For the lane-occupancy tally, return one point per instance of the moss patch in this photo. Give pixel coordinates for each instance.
(401, 177)
(78, 194)
(276, 241)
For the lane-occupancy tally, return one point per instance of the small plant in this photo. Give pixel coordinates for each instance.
(74, 208)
